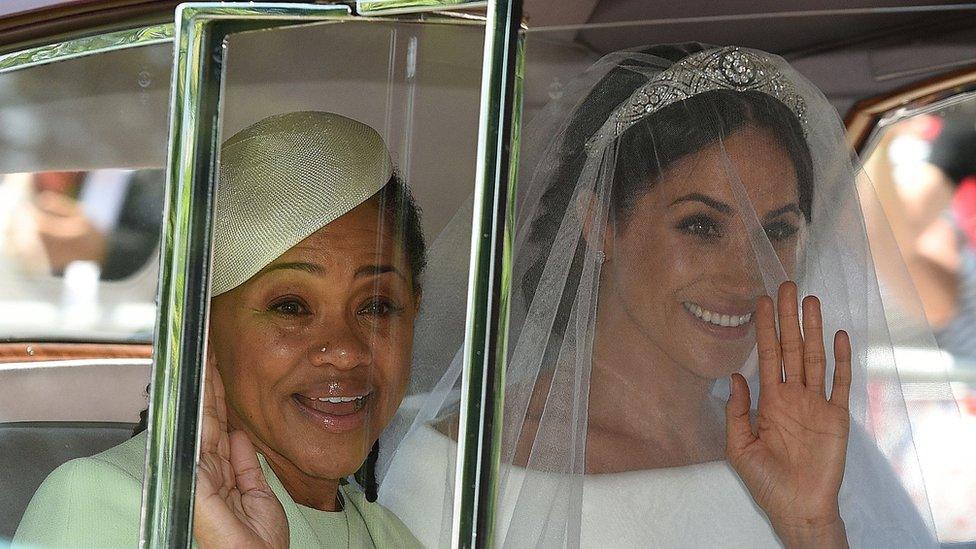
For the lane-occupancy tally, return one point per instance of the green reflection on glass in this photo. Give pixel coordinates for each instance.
(88, 45)
(366, 6)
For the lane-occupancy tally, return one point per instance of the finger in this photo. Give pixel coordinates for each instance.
(214, 424)
(814, 358)
(841, 391)
(738, 429)
(247, 468)
(790, 339)
(767, 345)
(210, 424)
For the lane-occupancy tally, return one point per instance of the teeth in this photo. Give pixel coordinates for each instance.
(729, 321)
(339, 400)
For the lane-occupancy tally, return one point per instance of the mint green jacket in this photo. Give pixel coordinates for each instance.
(94, 502)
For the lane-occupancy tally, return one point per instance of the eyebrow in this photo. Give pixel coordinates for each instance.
(706, 200)
(376, 270)
(785, 209)
(312, 268)
(727, 210)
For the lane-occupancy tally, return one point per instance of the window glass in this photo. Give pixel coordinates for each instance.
(83, 144)
(339, 272)
(921, 166)
(82, 147)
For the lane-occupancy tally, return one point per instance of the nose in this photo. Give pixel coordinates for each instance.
(341, 346)
(743, 267)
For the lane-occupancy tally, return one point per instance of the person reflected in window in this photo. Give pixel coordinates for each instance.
(109, 217)
(317, 260)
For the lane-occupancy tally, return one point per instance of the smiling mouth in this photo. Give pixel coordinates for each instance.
(715, 318)
(334, 413)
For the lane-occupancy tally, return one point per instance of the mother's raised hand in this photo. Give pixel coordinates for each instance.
(234, 505)
(792, 462)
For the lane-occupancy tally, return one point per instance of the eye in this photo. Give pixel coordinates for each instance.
(701, 226)
(380, 307)
(780, 231)
(289, 307)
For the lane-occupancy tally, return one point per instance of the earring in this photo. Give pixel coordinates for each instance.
(601, 257)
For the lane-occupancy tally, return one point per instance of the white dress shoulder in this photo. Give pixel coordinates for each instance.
(693, 506)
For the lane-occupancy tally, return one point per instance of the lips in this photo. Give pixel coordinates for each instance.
(729, 323)
(715, 317)
(339, 406)
(335, 410)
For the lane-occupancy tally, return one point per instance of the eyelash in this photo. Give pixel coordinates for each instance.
(389, 308)
(377, 307)
(278, 307)
(701, 226)
(781, 231)
(706, 228)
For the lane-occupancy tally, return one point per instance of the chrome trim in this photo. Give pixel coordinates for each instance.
(482, 379)
(185, 252)
(372, 8)
(89, 45)
(74, 363)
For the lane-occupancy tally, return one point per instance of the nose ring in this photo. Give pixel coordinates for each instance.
(342, 353)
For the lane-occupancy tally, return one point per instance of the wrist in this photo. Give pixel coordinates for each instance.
(828, 534)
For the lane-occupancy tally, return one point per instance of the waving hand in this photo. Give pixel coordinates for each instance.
(234, 506)
(792, 460)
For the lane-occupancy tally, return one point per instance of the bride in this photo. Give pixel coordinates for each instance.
(655, 394)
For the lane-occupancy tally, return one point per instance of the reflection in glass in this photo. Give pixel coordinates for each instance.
(64, 235)
(923, 168)
(82, 143)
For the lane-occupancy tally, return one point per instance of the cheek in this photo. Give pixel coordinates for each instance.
(787, 253)
(260, 355)
(391, 358)
(661, 265)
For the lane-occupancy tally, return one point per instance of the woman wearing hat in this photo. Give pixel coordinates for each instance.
(316, 262)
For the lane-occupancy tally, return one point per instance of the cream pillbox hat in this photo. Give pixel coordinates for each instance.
(282, 179)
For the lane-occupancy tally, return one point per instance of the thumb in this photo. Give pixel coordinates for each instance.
(738, 429)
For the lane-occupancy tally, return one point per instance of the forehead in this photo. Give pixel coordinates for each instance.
(363, 233)
(751, 159)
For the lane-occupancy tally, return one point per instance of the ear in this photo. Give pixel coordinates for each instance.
(597, 231)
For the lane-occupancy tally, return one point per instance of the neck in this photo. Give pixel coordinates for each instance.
(317, 493)
(638, 392)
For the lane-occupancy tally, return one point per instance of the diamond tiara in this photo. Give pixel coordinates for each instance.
(728, 68)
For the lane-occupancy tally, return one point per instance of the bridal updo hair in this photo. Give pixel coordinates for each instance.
(647, 149)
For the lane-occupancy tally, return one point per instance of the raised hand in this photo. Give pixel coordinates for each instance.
(234, 504)
(792, 462)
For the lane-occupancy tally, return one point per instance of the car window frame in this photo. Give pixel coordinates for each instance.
(176, 401)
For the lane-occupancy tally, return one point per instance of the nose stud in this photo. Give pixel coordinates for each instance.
(342, 353)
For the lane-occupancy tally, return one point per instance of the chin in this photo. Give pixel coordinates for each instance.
(332, 461)
(717, 361)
